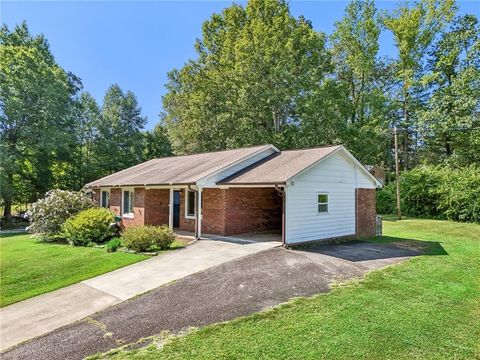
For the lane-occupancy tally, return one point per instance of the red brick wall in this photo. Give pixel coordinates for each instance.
(365, 212)
(138, 206)
(225, 211)
(157, 206)
(213, 203)
(138, 209)
(116, 200)
(252, 209)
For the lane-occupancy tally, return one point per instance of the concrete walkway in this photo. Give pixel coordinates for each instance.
(41, 314)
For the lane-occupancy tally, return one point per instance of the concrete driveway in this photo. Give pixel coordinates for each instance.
(41, 314)
(236, 288)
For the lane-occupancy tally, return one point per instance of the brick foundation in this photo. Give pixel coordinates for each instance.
(365, 212)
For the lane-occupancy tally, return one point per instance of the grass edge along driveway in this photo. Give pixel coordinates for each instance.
(427, 308)
(30, 268)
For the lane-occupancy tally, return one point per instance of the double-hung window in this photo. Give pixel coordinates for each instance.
(190, 204)
(322, 202)
(127, 203)
(105, 199)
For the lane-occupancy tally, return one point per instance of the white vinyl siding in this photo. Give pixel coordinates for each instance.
(335, 176)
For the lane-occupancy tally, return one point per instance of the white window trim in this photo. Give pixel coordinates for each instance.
(101, 197)
(187, 215)
(327, 203)
(127, 215)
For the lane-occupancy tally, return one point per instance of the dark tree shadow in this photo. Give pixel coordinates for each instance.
(387, 248)
(12, 234)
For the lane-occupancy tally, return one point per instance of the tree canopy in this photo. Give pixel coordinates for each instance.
(259, 75)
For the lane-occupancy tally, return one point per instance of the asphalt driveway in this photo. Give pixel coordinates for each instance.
(236, 288)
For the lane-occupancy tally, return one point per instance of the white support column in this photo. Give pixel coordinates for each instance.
(170, 209)
(199, 209)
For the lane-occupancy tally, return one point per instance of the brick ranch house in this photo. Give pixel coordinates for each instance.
(300, 195)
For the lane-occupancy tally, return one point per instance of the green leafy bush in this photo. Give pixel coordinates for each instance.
(91, 225)
(113, 244)
(148, 238)
(420, 191)
(386, 200)
(435, 192)
(47, 215)
(459, 198)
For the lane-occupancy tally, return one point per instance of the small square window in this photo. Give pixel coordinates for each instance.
(322, 202)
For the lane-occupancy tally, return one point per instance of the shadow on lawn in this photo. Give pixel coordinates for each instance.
(388, 247)
(8, 234)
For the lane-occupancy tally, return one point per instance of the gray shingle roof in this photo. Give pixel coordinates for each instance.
(279, 167)
(186, 169)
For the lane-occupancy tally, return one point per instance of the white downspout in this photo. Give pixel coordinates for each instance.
(170, 213)
(199, 212)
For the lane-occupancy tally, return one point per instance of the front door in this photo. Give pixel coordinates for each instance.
(176, 209)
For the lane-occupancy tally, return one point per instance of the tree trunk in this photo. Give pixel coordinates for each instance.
(448, 147)
(7, 212)
(405, 121)
(7, 197)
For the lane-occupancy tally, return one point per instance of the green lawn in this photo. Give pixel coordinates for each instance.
(425, 308)
(29, 268)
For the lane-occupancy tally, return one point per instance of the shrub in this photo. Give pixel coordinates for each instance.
(113, 244)
(435, 192)
(148, 238)
(420, 191)
(48, 214)
(91, 225)
(459, 198)
(386, 199)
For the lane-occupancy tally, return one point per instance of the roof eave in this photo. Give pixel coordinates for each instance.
(139, 185)
(256, 183)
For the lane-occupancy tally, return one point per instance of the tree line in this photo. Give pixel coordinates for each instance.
(260, 75)
(53, 134)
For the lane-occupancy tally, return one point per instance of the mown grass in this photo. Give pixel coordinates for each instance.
(425, 308)
(29, 267)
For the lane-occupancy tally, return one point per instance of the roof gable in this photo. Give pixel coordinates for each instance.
(280, 167)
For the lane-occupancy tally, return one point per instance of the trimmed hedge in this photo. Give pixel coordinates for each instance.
(92, 225)
(435, 192)
(148, 238)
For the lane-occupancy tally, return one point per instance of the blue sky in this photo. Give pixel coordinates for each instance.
(135, 44)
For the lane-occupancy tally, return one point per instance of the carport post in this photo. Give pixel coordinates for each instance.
(283, 194)
(199, 212)
(170, 210)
